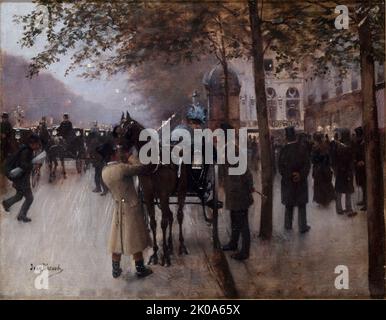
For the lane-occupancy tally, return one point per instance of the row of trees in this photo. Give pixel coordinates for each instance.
(105, 38)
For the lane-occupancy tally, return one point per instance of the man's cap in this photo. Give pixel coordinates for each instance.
(5, 115)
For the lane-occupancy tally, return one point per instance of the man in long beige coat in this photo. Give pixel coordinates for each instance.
(129, 234)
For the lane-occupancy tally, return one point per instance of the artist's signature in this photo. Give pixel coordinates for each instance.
(44, 271)
(53, 270)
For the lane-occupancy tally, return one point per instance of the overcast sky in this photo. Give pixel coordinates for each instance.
(109, 93)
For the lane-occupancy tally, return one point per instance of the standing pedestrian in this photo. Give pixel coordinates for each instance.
(129, 234)
(344, 172)
(238, 199)
(294, 167)
(321, 171)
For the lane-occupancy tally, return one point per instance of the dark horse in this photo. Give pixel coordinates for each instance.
(161, 182)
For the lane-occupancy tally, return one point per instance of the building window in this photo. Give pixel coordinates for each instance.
(293, 104)
(268, 65)
(271, 103)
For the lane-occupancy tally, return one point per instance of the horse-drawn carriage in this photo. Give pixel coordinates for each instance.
(161, 183)
(61, 148)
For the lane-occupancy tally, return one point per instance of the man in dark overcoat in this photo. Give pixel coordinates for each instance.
(66, 129)
(22, 183)
(238, 199)
(344, 173)
(294, 167)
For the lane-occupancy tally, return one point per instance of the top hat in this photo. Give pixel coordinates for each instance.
(290, 133)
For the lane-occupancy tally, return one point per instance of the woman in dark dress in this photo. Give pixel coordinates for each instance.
(321, 171)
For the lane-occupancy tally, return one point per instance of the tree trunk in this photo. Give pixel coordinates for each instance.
(374, 170)
(262, 118)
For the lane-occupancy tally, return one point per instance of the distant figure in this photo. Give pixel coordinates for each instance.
(294, 167)
(66, 129)
(95, 128)
(6, 136)
(360, 165)
(321, 171)
(129, 234)
(5, 147)
(255, 153)
(344, 172)
(23, 159)
(43, 133)
(100, 161)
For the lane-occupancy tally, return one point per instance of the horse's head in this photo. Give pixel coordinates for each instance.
(127, 132)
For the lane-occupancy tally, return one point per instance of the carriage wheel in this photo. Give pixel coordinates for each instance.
(210, 189)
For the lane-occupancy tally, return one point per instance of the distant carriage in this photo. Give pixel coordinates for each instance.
(60, 149)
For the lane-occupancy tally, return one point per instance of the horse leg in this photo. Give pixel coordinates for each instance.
(50, 170)
(182, 189)
(63, 168)
(170, 239)
(165, 259)
(55, 167)
(180, 218)
(153, 225)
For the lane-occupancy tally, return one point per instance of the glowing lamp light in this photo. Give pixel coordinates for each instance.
(54, 132)
(77, 133)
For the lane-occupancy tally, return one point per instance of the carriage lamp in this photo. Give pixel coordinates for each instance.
(54, 132)
(102, 134)
(77, 133)
(17, 135)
